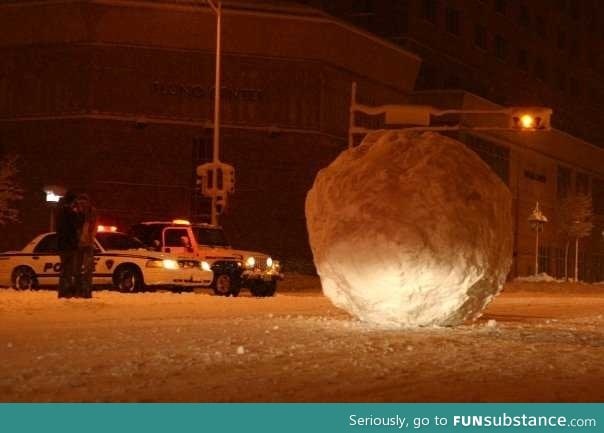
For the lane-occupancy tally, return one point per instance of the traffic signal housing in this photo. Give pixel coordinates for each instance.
(530, 118)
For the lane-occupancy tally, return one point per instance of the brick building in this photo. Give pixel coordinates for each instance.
(116, 97)
(512, 52)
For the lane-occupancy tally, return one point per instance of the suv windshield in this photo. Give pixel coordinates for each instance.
(118, 241)
(210, 236)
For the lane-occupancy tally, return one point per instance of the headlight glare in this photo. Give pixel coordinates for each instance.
(205, 266)
(250, 262)
(269, 262)
(170, 264)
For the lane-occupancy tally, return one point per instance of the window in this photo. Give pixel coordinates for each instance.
(429, 10)
(118, 241)
(48, 245)
(452, 21)
(561, 80)
(540, 70)
(177, 238)
(575, 51)
(523, 16)
(582, 183)
(362, 13)
(575, 11)
(500, 47)
(561, 40)
(210, 236)
(523, 59)
(575, 87)
(598, 196)
(501, 6)
(480, 36)
(427, 77)
(497, 157)
(540, 26)
(453, 82)
(563, 186)
(535, 176)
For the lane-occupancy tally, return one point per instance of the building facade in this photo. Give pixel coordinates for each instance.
(115, 97)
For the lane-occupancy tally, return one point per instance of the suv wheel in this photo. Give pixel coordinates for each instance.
(224, 285)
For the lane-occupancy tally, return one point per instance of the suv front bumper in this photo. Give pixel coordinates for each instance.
(261, 275)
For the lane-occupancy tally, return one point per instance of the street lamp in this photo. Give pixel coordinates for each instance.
(537, 220)
(54, 193)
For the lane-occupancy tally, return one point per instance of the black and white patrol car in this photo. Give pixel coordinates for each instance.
(120, 261)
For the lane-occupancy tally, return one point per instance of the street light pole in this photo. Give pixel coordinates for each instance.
(216, 6)
(537, 219)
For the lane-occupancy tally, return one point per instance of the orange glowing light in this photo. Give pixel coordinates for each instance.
(102, 229)
(527, 121)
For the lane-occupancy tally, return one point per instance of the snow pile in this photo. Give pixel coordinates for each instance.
(539, 278)
(410, 229)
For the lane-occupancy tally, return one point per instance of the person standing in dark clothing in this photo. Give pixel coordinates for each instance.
(68, 228)
(85, 256)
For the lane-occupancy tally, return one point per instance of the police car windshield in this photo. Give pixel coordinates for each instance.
(118, 241)
(210, 236)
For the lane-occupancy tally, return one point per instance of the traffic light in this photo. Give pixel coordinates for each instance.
(225, 179)
(530, 118)
(228, 176)
(221, 204)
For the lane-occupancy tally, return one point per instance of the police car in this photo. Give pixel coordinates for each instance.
(120, 261)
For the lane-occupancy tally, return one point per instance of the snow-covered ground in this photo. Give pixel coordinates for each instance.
(537, 342)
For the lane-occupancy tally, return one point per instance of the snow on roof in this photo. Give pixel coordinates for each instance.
(555, 144)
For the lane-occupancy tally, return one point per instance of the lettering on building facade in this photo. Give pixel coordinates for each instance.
(199, 91)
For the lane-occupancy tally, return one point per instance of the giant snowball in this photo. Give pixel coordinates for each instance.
(410, 229)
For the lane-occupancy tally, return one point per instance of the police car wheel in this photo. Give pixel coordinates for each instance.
(223, 285)
(263, 289)
(24, 278)
(128, 279)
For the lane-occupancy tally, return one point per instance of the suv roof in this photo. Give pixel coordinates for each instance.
(178, 223)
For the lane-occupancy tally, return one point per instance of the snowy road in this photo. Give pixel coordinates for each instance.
(546, 344)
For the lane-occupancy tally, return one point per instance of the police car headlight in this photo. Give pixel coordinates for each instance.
(250, 262)
(170, 264)
(205, 266)
(269, 262)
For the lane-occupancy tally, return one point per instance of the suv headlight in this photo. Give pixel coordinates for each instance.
(269, 262)
(205, 266)
(250, 262)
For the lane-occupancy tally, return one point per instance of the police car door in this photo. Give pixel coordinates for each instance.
(45, 261)
(177, 240)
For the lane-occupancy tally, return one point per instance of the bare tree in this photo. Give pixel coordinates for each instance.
(10, 191)
(575, 218)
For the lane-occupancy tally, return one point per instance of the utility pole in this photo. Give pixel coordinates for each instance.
(216, 6)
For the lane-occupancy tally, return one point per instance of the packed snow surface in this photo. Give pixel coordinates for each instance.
(539, 342)
(539, 278)
(410, 229)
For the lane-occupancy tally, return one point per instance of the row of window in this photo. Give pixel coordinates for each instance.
(583, 185)
(453, 26)
(539, 23)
